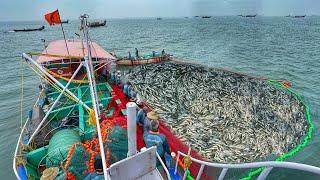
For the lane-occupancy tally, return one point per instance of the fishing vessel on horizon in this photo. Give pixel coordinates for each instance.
(29, 29)
(97, 23)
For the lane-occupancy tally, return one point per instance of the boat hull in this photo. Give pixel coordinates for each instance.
(128, 62)
(28, 30)
(97, 24)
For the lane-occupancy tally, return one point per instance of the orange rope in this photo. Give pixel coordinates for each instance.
(92, 147)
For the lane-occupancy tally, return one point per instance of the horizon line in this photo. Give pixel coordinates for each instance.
(151, 17)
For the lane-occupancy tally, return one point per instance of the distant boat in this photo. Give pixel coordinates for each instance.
(249, 15)
(27, 30)
(206, 16)
(159, 18)
(65, 21)
(196, 16)
(299, 16)
(147, 59)
(97, 24)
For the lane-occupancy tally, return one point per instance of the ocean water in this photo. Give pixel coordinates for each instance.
(274, 47)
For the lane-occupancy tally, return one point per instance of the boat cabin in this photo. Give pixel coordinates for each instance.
(62, 58)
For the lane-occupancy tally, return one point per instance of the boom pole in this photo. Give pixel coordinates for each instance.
(93, 90)
(29, 59)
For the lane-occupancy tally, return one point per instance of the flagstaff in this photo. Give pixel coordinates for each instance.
(54, 18)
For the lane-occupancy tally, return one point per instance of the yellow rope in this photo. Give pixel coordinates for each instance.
(54, 55)
(187, 161)
(91, 119)
(66, 79)
(60, 90)
(19, 161)
(52, 84)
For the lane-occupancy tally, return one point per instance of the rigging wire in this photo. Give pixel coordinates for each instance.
(21, 94)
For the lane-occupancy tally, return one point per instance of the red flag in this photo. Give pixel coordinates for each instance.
(53, 18)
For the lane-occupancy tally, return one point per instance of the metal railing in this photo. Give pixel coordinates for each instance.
(164, 166)
(268, 165)
(19, 142)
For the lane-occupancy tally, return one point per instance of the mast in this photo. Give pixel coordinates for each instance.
(93, 90)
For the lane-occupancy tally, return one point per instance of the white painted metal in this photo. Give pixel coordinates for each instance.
(223, 173)
(153, 175)
(89, 59)
(95, 103)
(278, 164)
(27, 57)
(55, 103)
(200, 172)
(186, 170)
(132, 128)
(164, 166)
(176, 167)
(14, 164)
(135, 167)
(263, 175)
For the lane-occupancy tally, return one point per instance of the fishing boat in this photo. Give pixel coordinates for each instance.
(76, 114)
(296, 16)
(146, 59)
(65, 21)
(248, 16)
(79, 117)
(299, 16)
(97, 24)
(205, 17)
(28, 30)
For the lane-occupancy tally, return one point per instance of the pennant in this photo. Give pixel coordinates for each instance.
(53, 17)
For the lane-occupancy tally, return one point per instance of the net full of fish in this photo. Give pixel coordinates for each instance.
(225, 116)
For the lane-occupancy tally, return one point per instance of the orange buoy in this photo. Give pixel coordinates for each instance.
(286, 84)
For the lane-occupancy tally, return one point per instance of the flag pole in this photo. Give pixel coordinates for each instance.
(64, 36)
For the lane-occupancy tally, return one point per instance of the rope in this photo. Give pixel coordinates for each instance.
(92, 146)
(21, 95)
(67, 79)
(187, 161)
(58, 89)
(54, 55)
(64, 105)
(91, 119)
(52, 83)
(306, 139)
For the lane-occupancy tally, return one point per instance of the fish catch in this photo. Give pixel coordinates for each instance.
(226, 117)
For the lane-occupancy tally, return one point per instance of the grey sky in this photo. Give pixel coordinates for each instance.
(71, 9)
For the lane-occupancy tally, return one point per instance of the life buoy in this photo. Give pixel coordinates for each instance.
(60, 71)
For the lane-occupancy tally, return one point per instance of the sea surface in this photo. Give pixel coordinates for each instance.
(274, 47)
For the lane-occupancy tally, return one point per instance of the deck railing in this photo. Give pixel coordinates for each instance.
(164, 166)
(17, 152)
(268, 165)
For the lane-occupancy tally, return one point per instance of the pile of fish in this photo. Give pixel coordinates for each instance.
(227, 117)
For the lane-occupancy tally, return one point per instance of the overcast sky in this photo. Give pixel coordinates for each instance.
(70, 9)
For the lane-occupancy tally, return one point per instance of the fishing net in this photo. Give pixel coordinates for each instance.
(79, 164)
(168, 102)
(80, 156)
